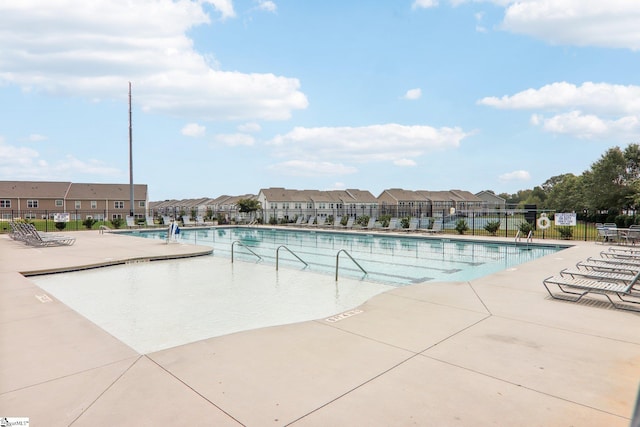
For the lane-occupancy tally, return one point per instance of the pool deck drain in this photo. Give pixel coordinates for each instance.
(492, 351)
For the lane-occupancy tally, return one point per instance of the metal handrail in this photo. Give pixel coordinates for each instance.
(292, 253)
(242, 244)
(352, 259)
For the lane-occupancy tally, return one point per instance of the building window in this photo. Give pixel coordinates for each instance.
(141, 204)
(5, 203)
(116, 216)
(59, 203)
(94, 204)
(118, 204)
(78, 204)
(33, 204)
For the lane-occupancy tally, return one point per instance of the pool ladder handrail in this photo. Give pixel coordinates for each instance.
(292, 253)
(529, 237)
(242, 244)
(352, 259)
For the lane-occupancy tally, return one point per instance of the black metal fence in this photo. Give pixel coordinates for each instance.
(505, 223)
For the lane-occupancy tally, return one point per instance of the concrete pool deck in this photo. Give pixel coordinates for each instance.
(493, 351)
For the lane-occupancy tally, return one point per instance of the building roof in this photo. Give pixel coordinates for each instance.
(87, 191)
(33, 189)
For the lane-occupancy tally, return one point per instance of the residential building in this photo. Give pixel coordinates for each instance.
(41, 199)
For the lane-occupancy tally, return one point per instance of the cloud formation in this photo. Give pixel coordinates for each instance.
(194, 130)
(519, 175)
(413, 94)
(94, 48)
(375, 143)
(591, 110)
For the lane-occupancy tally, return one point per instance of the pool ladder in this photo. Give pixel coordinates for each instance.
(529, 237)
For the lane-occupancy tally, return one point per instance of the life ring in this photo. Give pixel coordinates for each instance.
(543, 222)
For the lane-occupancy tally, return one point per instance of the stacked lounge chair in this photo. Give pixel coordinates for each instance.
(28, 234)
(616, 276)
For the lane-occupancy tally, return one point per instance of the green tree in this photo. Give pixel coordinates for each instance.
(249, 206)
(605, 183)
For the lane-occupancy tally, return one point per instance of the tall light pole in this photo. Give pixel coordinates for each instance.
(131, 210)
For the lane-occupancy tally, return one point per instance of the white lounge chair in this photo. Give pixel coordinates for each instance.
(574, 289)
(150, 221)
(186, 220)
(131, 222)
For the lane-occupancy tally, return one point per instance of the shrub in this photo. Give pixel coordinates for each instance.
(461, 226)
(273, 220)
(384, 220)
(88, 223)
(363, 220)
(61, 225)
(492, 227)
(404, 222)
(525, 228)
(117, 222)
(565, 232)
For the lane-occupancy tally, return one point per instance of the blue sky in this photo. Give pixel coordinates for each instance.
(233, 96)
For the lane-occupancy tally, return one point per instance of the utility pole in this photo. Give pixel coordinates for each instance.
(131, 208)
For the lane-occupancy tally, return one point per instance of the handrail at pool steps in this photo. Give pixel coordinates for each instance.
(292, 253)
(243, 245)
(529, 237)
(352, 259)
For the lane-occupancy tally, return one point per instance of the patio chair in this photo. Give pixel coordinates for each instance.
(166, 220)
(150, 221)
(574, 289)
(320, 221)
(436, 228)
(413, 224)
(370, 224)
(186, 221)
(131, 222)
(608, 233)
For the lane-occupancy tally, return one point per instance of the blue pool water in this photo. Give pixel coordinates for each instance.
(151, 306)
(389, 259)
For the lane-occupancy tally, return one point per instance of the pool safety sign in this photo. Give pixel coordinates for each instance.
(60, 217)
(565, 219)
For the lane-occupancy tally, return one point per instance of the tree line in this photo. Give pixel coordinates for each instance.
(609, 190)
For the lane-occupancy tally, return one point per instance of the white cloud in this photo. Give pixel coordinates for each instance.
(404, 162)
(35, 137)
(604, 97)
(25, 163)
(424, 4)
(249, 127)
(225, 7)
(194, 130)
(519, 175)
(235, 139)
(386, 143)
(611, 23)
(103, 44)
(592, 110)
(72, 166)
(413, 94)
(309, 168)
(589, 126)
(267, 5)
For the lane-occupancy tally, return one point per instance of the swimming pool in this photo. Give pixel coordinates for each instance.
(390, 259)
(152, 306)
